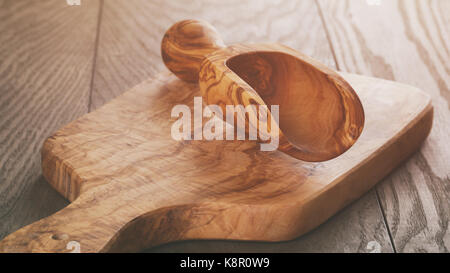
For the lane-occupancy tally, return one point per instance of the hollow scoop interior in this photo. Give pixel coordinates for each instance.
(313, 114)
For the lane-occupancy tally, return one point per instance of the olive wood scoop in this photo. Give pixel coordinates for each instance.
(320, 114)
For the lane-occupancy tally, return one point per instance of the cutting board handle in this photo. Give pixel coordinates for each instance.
(59, 233)
(96, 222)
(185, 45)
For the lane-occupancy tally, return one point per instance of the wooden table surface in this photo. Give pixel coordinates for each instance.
(58, 62)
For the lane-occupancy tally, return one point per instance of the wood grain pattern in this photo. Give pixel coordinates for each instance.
(327, 238)
(129, 52)
(321, 116)
(403, 40)
(133, 186)
(406, 41)
(130, 39)
(185, 45)
(46, 54)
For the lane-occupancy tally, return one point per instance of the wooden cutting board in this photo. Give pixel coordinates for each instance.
(132, 186)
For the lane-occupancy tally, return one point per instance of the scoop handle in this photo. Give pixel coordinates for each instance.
(185, 45)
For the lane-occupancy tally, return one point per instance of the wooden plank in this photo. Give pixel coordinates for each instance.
(46, 58)
(129, 52)
(406, 41)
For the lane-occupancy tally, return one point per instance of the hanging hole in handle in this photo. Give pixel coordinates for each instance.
(59, 237)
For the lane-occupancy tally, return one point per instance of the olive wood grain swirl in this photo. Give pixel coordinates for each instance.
(185, 45)
(132, 186)
(321, 116)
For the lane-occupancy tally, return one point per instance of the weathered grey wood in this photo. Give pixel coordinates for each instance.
(406, 41)
(46, 61)
(129, 52)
